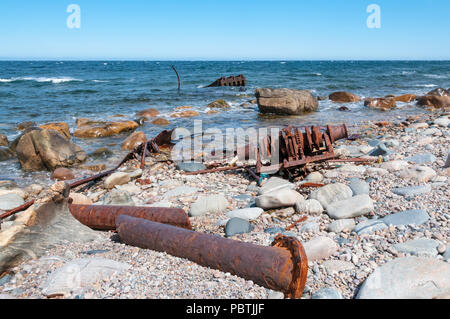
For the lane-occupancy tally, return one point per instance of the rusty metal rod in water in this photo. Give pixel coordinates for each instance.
(103, 217)
(282, 267)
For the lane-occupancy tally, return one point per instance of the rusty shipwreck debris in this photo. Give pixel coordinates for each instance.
(101, 217)
(298, 148)
(229, 81)
(282, 267)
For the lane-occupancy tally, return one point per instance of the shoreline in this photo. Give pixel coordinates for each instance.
(350, 258)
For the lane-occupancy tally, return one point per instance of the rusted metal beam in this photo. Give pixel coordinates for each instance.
(102, 217)
(282, 267)
(230, 81)
(216, 169)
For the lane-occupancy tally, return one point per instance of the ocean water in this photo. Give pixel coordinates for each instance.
(63, 91)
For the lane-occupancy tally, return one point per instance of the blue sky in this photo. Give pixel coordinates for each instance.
(225, 30)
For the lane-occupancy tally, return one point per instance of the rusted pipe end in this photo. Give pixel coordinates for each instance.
(299, 262)
(337, 132)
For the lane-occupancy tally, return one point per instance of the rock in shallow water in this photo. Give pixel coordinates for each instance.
(237, 226)
(209, 205)
(408, 278)
(353, 207)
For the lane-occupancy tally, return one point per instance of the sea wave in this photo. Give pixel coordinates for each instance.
(426, 85)
(54, 80)
(435, 76)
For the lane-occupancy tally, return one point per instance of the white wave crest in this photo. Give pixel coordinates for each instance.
(53, 80)
(426, 85)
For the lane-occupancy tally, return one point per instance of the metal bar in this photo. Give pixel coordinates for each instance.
(17, 209)
(178, 76)
(282, 267)
(104, 217)
(216, 169)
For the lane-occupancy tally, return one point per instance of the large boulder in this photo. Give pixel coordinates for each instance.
(344, 97)
(148, 113)
(405, 98)
(90, 128)
(41, 149)
(285, 101)
(383, 103)
(408, 278)
(5, 153)
(4, 140)
(439, 92)
(434, 101)
(219, 104)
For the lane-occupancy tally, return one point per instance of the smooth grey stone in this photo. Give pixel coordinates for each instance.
(380, 150)
(374, 143)
(359, 187)
(246, 213)
(327, 293)
(282, 197)
(311, 227)
(408, 278)
(340, 225)
(181, 191)
(275, 230)
(352, 207)
(369, 226)
(446, 255)
(309, 206)
(331, 193)
(237, 226)
(10, 201)
(190, 166)
(118, 197)
(422, 158)
(274, 183)
(419, 247)
(212, 204)
(409, 217)
(243, 197)
(412, 190)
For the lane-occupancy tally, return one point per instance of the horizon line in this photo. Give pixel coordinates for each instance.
(206, 60)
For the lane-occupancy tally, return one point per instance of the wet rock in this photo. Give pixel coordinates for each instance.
(283, 197)
(118, 178)
(369, 226)
(190, 166)
(80, 199)
(246, 213)
(344, 97)
(340, 225)
(285, 101)
(62, 174)
(439, 92)
(409, 217)
(419, 247)
(119, 198)
(101, 152)
(132, 141)
(327, 293)
(380, 103)
(10, 201)
(5, 154)
(320, 248)
(310, 207)
(422, 158)
(352, 207)
(95, 168)
(408, 278)
(273, 184)
(343, 109)
(3, 140)
(148, 113)
(213, 204)
(237, 226)
(219, 104)
(160, 121)
(405, 98)
(331, 193)
(188, 113)
(434, 101)
(24, 125)
(41, 149)
(412, 191)
(359, 187)
(60, 127)
(87, 128)
(418, 173)
(81, 273)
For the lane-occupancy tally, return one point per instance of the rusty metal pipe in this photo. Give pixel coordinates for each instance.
(282, 267)
(103, 217)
